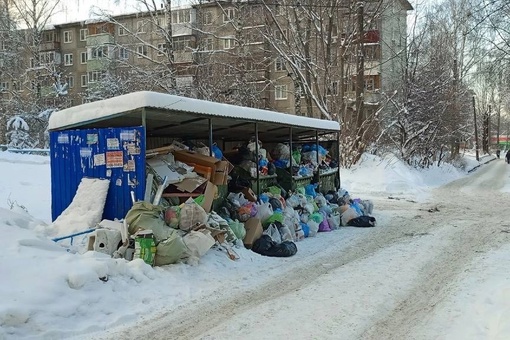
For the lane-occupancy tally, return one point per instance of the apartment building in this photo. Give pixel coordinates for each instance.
(243, 53)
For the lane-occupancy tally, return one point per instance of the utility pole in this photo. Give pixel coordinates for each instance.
(476, 130)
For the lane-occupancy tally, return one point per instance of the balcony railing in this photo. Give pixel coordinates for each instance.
(371, 97)
(49, 46)
(100, 39)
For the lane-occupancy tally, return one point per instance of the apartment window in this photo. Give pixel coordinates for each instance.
(280, 92)
(3, 46)
(181, 16)
(181, 43)
(83, 57)
(99, 52)
(84, 81)
(140, 26)
(95, 76)
(49, 37)
(70, 81)
(161, 22)
(228, 15)
(122, 30)
(123, 53)
(68, 36)
(333, 90)
(84, 32)
(161, 49)
(228, 43)
(47, 57)
(17, 86)
(208, 44)
(208, 18)
(279, 64)
(372, 52)
(141, 50)
(369, 84)
(68, 59)
(4, 86)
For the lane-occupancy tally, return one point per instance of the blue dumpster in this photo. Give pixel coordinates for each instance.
(117, 154)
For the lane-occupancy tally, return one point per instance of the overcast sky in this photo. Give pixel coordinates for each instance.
(76, 10)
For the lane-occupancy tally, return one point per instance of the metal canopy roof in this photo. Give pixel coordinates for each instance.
(180, 117)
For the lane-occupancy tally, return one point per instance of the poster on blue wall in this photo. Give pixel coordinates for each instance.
(117, 154)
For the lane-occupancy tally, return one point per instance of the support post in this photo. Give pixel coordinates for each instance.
(476, 129)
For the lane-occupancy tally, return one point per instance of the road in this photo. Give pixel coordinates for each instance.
(384, 285)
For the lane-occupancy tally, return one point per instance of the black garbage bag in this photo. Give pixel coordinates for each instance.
(362, 222)
(267, 247)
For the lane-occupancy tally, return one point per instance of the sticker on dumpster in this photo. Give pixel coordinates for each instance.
(132, 149)
(112, 144)
(130, 165)
(114, 159)
(128, 135)
(92, 138)
(85, 152)
(63, 138)
(99, 159)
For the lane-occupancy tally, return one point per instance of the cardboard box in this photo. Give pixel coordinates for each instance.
(249, 194)
(253, 232)
(191, 157)
(223, 168)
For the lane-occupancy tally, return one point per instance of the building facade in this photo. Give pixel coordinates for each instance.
(249, 53)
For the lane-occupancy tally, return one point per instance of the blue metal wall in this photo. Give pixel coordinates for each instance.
(114, 153)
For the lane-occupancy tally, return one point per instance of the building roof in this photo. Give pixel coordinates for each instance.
(180, 117)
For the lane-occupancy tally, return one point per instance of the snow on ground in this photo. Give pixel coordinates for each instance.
(50, 293)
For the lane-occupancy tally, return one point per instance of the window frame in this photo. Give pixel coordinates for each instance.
(84, 33)
(279, 64)
(68, 37)
(229, 15)
(281, 92)
(86, 82)
(145, 51)
(123, 53)
(86, 57)
(70, 61)
(231, 43)
(70, 81)
(140, 26)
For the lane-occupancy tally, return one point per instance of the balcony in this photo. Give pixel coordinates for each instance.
(100, 39)
(49, 46)
(182, 29)
(371, 97)
(372, 36)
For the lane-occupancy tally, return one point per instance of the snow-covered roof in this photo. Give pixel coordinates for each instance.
(169, 115)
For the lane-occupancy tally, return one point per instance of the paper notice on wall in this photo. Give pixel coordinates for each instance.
(92, 138)
(128, 135)
(133, 149)
(114, 159)
(85, 152)
(112, 144)
(99, 159)
(63, 138)
(130, 165)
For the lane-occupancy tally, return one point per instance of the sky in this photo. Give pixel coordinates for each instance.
(76, 10)
(52, 291)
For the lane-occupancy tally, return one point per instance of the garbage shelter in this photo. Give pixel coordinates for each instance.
(110, 138)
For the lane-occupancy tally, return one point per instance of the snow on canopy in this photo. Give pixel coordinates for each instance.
(103, 109)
